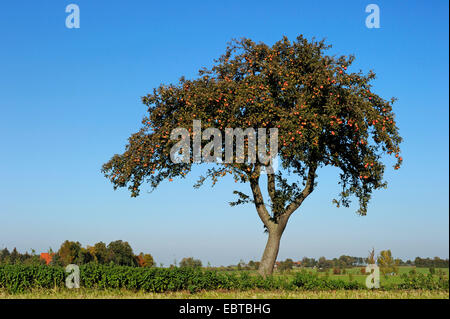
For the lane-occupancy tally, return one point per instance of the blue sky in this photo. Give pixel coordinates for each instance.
(69, 99)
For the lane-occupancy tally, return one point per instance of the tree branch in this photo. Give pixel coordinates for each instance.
(309, 187)
(259, 202)
(271, 186)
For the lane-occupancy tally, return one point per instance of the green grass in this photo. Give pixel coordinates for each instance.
(251, 294)
(356, 273)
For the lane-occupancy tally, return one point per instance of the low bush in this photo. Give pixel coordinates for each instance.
(336, 271)
(308, 281)
(415, 280)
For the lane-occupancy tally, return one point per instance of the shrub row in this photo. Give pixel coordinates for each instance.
(19, 278)
(309, 281)
(421, 281)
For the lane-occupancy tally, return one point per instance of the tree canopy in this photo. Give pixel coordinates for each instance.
(324, 114)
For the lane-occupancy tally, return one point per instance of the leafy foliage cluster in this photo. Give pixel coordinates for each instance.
(15, 257)
(387, 263)
(286, 265)
(190, 262)
(116, 252)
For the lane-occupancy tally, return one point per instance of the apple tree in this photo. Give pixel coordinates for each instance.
(325, 116)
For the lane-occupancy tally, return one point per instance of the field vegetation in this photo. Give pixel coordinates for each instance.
(114, 271)
(19, 279)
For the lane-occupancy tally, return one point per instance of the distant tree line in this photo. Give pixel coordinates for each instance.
(117, 252)
(385, 260)
(436, 262)
(14, 257)
(120, 253)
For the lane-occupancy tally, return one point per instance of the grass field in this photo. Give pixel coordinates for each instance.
(252, 294)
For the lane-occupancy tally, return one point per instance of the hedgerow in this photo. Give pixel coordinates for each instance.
(421, 281)
(309, 281)
(18, 278)
(21, 278)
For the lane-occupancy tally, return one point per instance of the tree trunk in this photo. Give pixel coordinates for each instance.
(270, 252)
(276, 228)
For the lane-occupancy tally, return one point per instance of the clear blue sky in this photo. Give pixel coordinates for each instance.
(70, 98)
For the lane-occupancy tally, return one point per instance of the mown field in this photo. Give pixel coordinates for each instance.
(100, 281)
(84, 293)
(355, 274)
